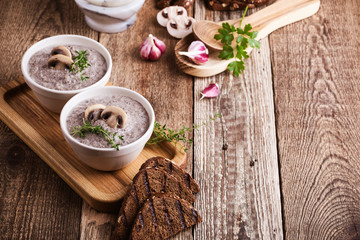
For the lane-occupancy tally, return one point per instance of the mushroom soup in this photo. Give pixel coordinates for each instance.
(121, 116)
(67, 67)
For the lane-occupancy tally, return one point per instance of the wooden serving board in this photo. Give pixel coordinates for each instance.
(40, 130)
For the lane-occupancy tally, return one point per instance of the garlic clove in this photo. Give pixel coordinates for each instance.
(160, 44)
(197, 52)
(152, 48)
(145, 49)
(155, 54)
(212, 90)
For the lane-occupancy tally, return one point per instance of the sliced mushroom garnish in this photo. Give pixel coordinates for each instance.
(61, 50)
(60, 62)
(180, 26)
(114, 116)
(93, 112)
(169, 13)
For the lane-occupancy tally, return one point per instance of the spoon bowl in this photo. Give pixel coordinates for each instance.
(205, 31)
(265, 21)
(210, 68)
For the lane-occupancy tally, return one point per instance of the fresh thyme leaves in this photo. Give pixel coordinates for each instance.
(80, 63)
(88, 128)
(244, 39)
(163, 133)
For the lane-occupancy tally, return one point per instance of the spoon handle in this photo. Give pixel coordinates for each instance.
(279, 14)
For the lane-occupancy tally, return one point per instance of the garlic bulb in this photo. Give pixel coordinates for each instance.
(152, 48)
(197, 52)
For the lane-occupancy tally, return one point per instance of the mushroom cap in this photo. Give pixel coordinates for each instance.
(114, 116)
(93, 112)
(180, 26)
(60, 62)
(169, 13)
(61, 50)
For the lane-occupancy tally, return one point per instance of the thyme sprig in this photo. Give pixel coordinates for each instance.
(244, 39)
(80, 63)
(99, 130)
(162, 133)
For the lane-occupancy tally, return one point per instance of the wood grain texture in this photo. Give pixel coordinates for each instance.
(314, 65)
(40, 129)
(236, 156)
(265, 21)
(168, 89)
(96, 225)
(35, 202)
(30, 206)
(25, 23)
(316, 82)
(270, 18)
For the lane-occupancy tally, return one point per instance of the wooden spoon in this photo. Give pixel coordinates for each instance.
(265, 21)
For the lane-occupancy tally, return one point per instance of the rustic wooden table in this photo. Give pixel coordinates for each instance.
(282, 162)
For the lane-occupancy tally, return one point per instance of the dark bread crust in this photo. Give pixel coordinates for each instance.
(173, 169)
(162, 217)
(230, 5)
(146, 183)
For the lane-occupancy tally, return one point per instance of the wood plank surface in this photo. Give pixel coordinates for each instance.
(168, 89)
(40, 129)
(24, 23)
(236, 157)
(316, 82)
(308, 69)
(35, 202)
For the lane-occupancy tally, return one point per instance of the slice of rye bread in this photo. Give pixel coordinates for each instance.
(162, 217)
(146, 183)
(173, 169)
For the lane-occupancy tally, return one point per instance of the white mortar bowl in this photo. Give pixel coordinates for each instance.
(106, 159)
(110, 19)
(53, 99)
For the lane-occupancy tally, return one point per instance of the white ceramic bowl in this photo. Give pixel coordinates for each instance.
(106, 159)
(110, 19)
(53, 99)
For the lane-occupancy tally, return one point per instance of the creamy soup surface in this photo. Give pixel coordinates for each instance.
(136, 125)
(64, 79)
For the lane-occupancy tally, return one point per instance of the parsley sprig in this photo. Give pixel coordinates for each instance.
(80, 63)
(244, 38)
(163, 133)
(99, 130)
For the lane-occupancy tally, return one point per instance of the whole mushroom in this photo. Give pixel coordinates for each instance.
(114, 116)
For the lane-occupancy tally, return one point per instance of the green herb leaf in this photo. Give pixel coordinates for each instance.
(99, 130)
(247, 29)
(79, 64)
(162, 133)
(218, 36)
(227, 52)
(241, 53)
(254, 43)
(236, 67)
(244, 39)
(226, 26)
